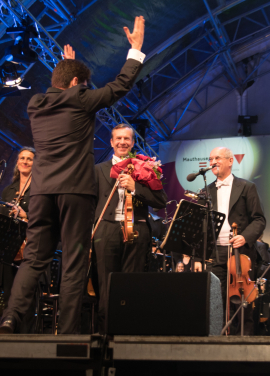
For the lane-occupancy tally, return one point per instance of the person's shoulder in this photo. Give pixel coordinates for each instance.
(241, 181)
(211, 185)
(35, 99)
(103, 165)
(5, 190)
(81, 90)
(37, 96)
(14, 185)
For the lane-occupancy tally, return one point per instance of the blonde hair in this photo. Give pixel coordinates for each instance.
(176, 268)
(16, 172)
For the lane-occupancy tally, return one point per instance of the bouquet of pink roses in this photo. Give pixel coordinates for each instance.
(147, 170)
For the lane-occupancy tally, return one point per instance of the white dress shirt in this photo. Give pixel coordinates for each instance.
(136, 55)
(224, 188)
(119, 210)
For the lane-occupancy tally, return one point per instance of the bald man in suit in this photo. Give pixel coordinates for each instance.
(239, 200)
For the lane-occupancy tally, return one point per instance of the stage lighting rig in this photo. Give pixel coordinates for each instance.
(20, 51)
(11, 80)
(9, 75)
(246, 122)
(141, 125)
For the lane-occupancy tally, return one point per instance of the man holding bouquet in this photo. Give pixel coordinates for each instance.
(110, 252)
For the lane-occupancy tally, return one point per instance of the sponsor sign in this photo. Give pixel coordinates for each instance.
(193, 155)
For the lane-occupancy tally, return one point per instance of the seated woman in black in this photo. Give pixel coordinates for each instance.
(21, 173)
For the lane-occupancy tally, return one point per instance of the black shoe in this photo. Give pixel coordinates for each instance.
(8, 325)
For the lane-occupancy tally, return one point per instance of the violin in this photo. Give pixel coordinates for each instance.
(240, 284)
(15, 204)
(127, 225)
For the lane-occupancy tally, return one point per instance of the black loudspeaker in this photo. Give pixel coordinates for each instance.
(185, 304)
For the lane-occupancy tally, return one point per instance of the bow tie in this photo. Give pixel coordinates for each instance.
(116, 160)
(219, 183)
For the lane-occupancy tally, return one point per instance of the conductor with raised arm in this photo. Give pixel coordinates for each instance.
(62, 202)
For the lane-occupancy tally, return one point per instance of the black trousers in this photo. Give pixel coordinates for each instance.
(8, 274)
(220, 270)
(69, 216)
(111, 254)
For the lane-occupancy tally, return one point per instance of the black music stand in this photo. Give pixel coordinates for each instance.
(185, 234)
(12, 235)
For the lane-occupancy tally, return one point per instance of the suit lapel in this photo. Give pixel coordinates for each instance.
(237, 188)
(213, 193)
(106, 169)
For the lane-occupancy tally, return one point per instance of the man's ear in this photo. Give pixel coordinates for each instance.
(73, 82)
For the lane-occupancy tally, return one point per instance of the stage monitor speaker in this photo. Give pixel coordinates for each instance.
(185, 304)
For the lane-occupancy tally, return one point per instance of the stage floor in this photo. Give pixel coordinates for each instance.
(213, 349)
(134, 355)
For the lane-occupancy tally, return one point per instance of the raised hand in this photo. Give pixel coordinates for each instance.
(136, 38)
(68, 52)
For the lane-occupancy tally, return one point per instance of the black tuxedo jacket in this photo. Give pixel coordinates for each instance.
(244, 209)
(148, 197)
(62, 123)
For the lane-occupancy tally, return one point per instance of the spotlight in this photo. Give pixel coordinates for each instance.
(20, 52)
(9, 75)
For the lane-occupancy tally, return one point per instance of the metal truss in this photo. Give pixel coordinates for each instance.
(110, 117)
(202, 99)
(218, 36)
(213, 40)
(8, 140)
(50, 52)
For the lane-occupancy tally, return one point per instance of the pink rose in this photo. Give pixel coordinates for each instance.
(143, 172)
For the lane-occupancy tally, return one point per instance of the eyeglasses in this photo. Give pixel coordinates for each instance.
(217, 158)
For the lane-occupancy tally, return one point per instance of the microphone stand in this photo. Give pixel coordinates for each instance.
(164, 251)
(208, 213)
(3, 170)
(244, 303)
(158, 247)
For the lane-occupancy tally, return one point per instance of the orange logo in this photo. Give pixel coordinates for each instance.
(239, 157)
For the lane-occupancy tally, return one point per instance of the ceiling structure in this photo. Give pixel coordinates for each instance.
(197, 53)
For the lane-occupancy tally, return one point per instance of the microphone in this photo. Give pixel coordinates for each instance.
(202, 171)
(5, 163)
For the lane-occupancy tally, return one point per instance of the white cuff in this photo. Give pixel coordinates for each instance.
(133, 193)
(136, 55)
